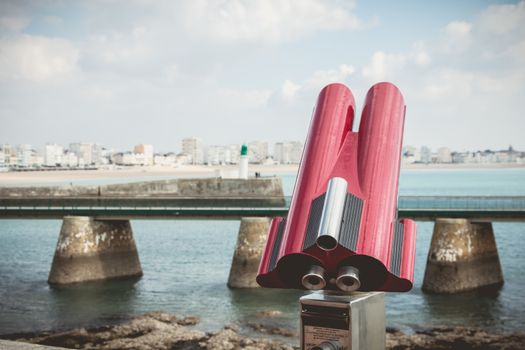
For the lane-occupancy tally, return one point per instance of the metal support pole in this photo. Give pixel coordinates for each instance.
(334, 321)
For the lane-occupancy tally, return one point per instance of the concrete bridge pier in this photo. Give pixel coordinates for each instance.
(90, 250)
(463, 256)
(248, 252)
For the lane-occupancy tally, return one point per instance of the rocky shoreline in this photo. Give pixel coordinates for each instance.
(159, 330)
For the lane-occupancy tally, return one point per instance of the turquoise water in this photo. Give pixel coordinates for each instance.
(186, 266)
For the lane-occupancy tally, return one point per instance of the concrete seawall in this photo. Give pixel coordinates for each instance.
(207, 187)
(176, 192)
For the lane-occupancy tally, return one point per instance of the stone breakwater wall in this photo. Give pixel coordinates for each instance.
(176, 187)
(209, 191)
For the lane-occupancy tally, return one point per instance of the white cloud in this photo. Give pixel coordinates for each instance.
(54, 21)
(317, 81)
(324, 77)
(119, 48)
(171, 73)
(241, 99)
(458, 82)
(517, 52)
(448, 83)
(14, 23)
(502, 19)
(289, 89)
(457, 37)
(36, 58)
(458, 29)
(383, 66)
(270, 21)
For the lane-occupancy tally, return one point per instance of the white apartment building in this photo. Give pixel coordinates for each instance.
(217, 155)
(426, 155)
(3, 165)
(257, 151)
(128, 158)
(168, 159)
(288, 152)
(9, 155)
(146, 151)
(194, 147)
(444, 155)
(88, 153)
(411, 154)
(70, 160)
(82, 151)
(235, 153)
(53, 154)
(24, 154)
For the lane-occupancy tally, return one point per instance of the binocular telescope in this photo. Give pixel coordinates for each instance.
(342, 231)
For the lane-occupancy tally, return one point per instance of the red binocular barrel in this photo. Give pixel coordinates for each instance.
(342, 230)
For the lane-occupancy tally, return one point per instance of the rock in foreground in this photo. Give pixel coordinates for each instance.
(153, 331)
(454, 338)
(158, 330)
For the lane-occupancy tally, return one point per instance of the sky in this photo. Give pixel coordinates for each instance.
(120, 73)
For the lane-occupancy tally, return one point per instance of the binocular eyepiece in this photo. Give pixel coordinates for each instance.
(314, 278)
(347, 279)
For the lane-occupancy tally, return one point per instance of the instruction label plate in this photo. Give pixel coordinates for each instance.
(314, 335)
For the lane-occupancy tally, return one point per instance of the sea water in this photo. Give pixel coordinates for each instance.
(186, 265)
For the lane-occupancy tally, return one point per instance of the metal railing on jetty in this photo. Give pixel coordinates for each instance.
(488, 208)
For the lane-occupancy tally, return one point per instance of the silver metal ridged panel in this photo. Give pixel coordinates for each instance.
(277, 245)
(351, 222)
(397, 247)
(314, 219)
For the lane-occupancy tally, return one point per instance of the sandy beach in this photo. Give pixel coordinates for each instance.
(187, 171)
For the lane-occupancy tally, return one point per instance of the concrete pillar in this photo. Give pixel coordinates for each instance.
(463, 256)
(248, 252)
(89, 250)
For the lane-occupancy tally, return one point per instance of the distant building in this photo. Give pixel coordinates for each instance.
(24, 154)
(411, 154)
(216, 155)
(183, 158)
(53, 155)
(444, 155)
(105, 155)
(97, 157)
(235, 151)
(257, 151)
(82, 151)
(88, 153)
(288, 152)
(146, 151)
(9, 156)
(194, 147)
(168, 159)
(70, 159)
(3, 166)
(426, 155)
(128, 158)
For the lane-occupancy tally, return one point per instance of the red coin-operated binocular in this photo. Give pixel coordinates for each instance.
(342, 230)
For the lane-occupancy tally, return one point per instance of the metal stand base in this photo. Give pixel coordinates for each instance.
(334, 321)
